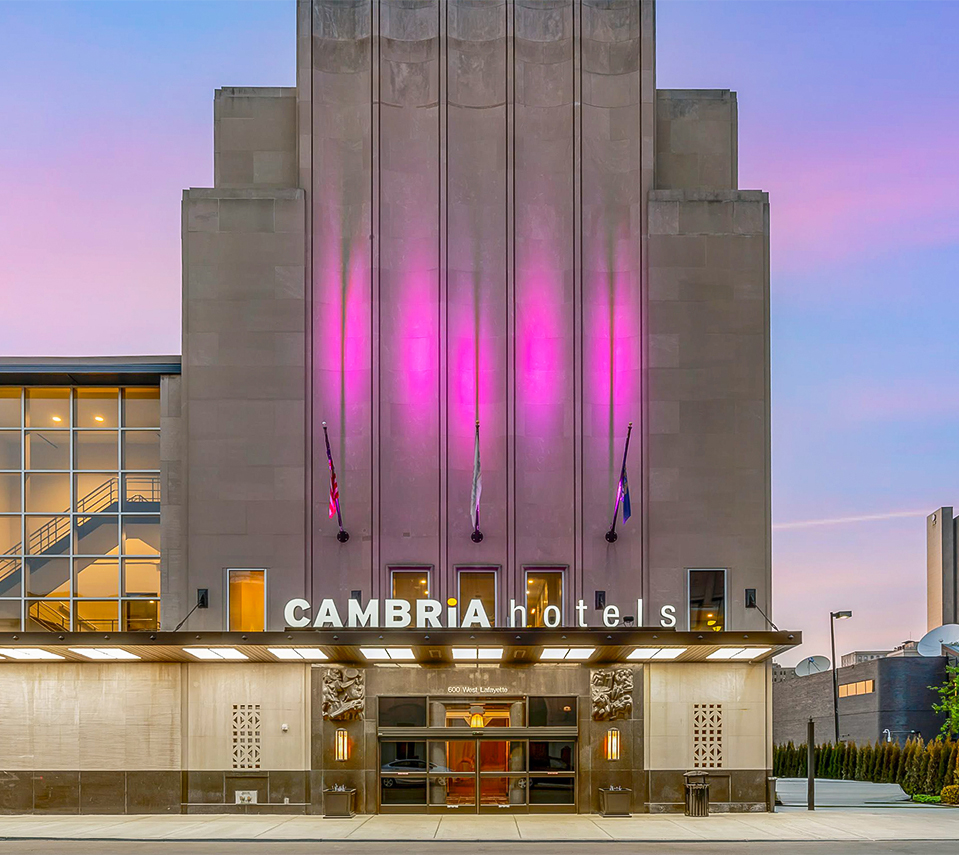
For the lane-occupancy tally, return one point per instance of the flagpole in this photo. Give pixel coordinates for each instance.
(342, 535)
(476, 535)
(611, 535)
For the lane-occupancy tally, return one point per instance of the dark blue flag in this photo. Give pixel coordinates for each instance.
(624, 486)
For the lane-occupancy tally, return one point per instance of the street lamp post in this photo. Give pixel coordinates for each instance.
(833, 617)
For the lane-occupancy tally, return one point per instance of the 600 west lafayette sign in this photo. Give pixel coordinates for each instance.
(424, 614)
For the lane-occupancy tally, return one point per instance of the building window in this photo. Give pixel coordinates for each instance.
(862, 687)
(247, 600)
(707, 600)
(477, 583)
(544, 597)
(69, 536)
(409, 583)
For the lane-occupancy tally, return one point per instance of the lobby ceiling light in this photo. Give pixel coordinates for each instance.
(27, 654)
(214, 653)
(577, 654)
(472, 654)
(310, 654)
(728, 653)
(647, 653)
(103, 653)
(394, 653)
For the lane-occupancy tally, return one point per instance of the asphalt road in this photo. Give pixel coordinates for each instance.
(99, 847)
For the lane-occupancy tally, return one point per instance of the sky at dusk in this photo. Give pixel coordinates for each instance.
(847, 117)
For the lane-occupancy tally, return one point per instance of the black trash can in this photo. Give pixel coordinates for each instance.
(697, 793)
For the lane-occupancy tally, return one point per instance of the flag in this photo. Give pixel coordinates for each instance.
(624, 489)
(477, 490)
(334, 491)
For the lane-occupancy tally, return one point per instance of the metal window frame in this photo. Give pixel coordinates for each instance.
(266, 594)
(689, 608)
(495, 569)
(393, 569)
(562, 569)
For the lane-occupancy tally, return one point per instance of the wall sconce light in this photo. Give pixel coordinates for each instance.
(342, 744)
(611, 744)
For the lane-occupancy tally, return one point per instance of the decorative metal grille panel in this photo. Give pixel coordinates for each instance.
(246, 736)
(708, 736)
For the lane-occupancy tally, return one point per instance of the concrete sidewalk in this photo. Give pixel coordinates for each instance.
(929, 823)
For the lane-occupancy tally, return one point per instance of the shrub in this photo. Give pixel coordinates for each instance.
(922, 798)
(950, 795)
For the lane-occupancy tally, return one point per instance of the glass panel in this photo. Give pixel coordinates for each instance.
(11, 574)
(496, 790)
(707, 600)
(141, 536)
(9, 449)
(141, 493)
(95, 450)
(9, 493)
(47, 449)
(96, 492)
(96, 616)
(141, 577)
(9, 615)
(141, 449)
(141, 615)
(403, 757)
(496, 756)
(478, 585)
(48, 535)
(48, 407)
(402, 791)
(96, 408)
(247, 598)
(551, 756)
(48, 577)
(47, 492)
(453, 790)
(96, 535)
(459, 756)
(96, 577)
(52, 615)
(402, 712)
(10, 535)
(552, 712)
(9, 406)
(544, 588)
(141, 407)
(410, 584)
(475, 715)
(551, 791)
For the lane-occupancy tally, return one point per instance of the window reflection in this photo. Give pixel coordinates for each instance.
(96, 408)
(707, 600)
(96, 577)
(9, 494)
(47, 449)
(141, 449)
(478, 584)
(141, 407)
(410, 584)
(47, 407)
(9, 407)
(544, 591)
(95, 450)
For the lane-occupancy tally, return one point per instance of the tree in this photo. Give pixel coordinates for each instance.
(949, 701)
(910, 780)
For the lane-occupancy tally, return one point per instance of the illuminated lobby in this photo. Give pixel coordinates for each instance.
(477, 264)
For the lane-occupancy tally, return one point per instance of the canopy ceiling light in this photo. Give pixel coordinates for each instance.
(482, 653)
(394, 653)
(738, 652)
(579, 654)
(643, 653)
(298, 653)
(215, 652)
(27, 653)
(104, 653)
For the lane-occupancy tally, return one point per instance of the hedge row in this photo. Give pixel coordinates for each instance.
(918, 767)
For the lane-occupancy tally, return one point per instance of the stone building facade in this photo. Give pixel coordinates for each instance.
(471, 225)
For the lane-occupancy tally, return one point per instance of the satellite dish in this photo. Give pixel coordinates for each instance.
(812, 665)
(932, 641)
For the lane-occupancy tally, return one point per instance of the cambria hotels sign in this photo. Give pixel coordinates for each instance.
(426, 614)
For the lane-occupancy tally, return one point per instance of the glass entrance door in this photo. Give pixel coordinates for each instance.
(477, 774)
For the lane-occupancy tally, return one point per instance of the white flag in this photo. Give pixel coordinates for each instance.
(477, 490)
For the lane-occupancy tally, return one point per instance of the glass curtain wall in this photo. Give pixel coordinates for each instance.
(79, 509)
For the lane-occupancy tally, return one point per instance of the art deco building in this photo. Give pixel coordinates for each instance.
(473, 226)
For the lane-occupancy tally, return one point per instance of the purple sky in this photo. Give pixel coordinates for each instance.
(847, 117)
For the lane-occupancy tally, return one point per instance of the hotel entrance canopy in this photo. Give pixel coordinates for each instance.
(404, 647)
